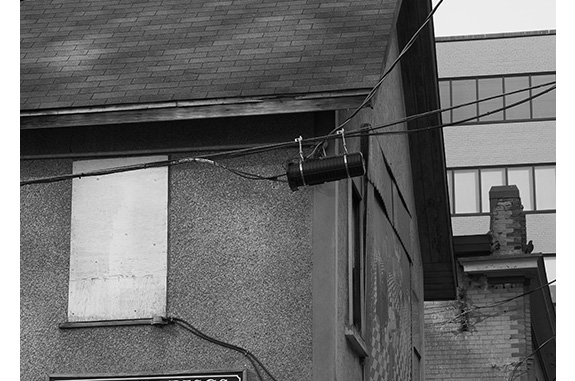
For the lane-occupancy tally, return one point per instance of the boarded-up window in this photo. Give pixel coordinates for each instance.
(118, 260)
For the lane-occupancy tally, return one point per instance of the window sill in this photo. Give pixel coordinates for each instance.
(356, 341)
(112, 323)
(527, 212)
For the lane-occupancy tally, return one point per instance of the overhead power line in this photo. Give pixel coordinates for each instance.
(455, 123)
(370, 131)
(471, 309)
(385, 74)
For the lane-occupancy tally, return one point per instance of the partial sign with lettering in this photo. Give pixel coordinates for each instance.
(191, 376)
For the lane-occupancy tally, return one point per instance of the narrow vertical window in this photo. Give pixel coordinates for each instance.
(464, 91)
(490, 178)
(118, 259)
(450, 190)
(445, 100)
(489, 87)
(356, 257)
(544, 105)
(466, 190)
(545, 187)
(522, 177)
(520, 111)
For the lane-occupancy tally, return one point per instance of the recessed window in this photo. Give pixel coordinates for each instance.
(356, 259)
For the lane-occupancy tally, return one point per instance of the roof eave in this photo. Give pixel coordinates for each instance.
(184, 110)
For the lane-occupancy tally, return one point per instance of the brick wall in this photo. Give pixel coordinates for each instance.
(507, 224)
(484, 344)
(485, 334)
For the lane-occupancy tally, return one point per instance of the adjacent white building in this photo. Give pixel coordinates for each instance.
(499, 145)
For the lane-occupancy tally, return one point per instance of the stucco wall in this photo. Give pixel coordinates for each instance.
(239, 269)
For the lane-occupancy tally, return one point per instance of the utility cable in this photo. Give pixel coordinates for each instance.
(444, 125)
(512, 376)
(162, 163)
(250, 356)
(384, 76)
(471, 103)
(496, 304)
(274, 146)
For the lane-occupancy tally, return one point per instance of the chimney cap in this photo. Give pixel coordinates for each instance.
(504, 191)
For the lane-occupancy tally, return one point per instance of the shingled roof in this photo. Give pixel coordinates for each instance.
(80, 53)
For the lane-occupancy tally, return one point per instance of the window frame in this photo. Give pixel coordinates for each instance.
(450, 174)
(356, 253)
(476, 79)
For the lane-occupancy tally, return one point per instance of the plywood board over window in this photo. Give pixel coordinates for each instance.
(118, 259)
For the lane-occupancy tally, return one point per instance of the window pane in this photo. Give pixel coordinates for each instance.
(464, 91)
(543, 106)
(490, 178)
(523, 178)
(356, 264)
(521, 111)
(489, 87)
(445, 100)
(466, 191)
(545, 187)
(450, 190)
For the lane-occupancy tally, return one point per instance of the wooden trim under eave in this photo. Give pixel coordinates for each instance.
(189, 110)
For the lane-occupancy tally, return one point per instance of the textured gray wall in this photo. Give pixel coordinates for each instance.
(239, 269)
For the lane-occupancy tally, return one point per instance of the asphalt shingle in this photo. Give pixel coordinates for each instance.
(78, 53)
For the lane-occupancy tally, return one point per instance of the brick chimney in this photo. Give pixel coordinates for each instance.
(507, 224)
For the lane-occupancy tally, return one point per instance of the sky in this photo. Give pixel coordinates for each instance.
(464, 17)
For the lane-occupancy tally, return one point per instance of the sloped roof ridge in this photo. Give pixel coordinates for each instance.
(82, 53)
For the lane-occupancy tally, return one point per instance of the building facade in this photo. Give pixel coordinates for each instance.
(499, 144)
(501, 326)
(159, 236)
(499, 97)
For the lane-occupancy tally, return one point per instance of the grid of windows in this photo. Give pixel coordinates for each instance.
(454, 92)
(469, 187)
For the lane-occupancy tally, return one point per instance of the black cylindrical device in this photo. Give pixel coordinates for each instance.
(319, 171)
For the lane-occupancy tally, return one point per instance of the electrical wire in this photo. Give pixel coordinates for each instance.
(162, 163)
(384, 76)
(493, 305)
(512, 376)
(250, 356)
(274, 146)
(471, 103)
(440, 126)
